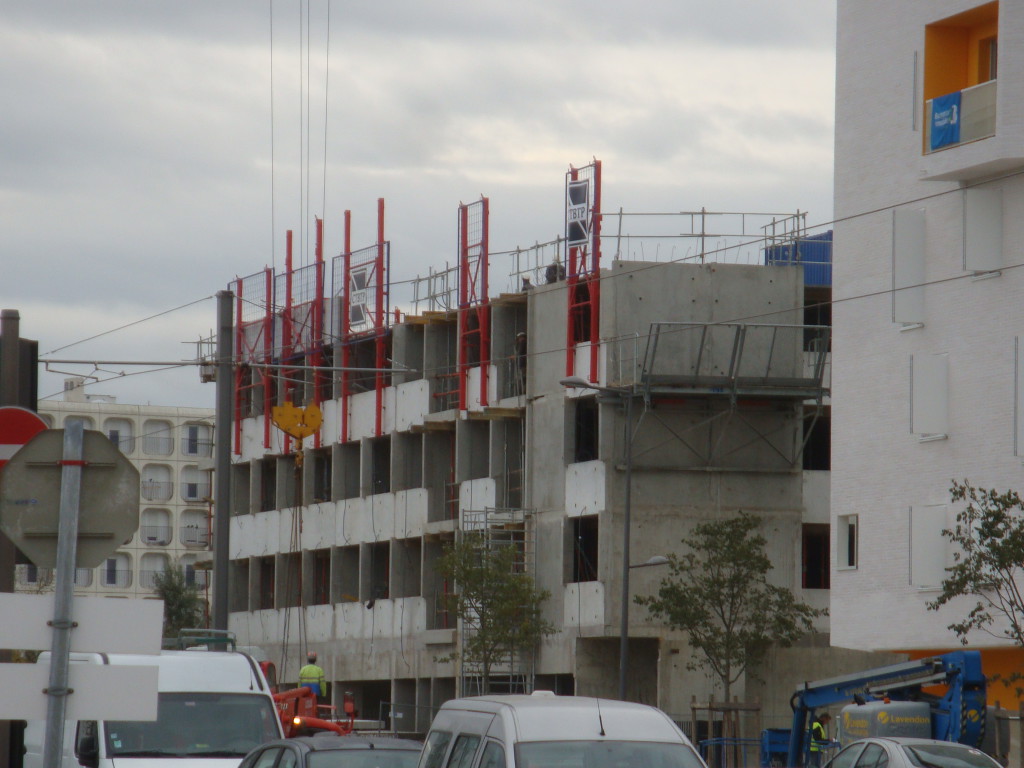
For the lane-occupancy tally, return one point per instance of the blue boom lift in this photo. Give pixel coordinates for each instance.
(957, 715)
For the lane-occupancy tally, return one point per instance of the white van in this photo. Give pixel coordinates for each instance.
(212, 709)
(548, 731)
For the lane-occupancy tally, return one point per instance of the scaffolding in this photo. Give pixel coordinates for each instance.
(515, 673)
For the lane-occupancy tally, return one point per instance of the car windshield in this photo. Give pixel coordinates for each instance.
(947, 756)
(605, 754)
(211, 724)
(363, 758)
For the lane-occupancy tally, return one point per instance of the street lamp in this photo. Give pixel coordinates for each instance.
(626, 395)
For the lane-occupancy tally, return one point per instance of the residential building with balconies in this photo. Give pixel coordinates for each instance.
(172, 448)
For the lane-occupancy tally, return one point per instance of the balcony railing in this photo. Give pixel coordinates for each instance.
(155, 535)
(960, 117)
(31, 576)
(115, 577)
(157, 490)
(195, 491)
(191, 446)
(158, 445)
(147, 579)
(194, 536)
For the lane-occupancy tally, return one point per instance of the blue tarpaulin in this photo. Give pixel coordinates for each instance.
(945, 120)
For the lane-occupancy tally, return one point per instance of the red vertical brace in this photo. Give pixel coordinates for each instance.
(464, 305)
(346, 319)
(485, 310)
(287, 348)
(317, 334)
(268, 351)
(379, 319)
(239, 368)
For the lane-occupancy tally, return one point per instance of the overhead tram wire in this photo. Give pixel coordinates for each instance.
(327, 85)
(562, 350)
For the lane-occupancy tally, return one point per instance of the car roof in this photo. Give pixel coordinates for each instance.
(323, 742)
(915, 741)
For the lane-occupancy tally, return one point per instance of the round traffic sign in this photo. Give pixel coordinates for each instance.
(17, 426)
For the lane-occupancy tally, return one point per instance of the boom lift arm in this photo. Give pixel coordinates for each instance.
(958, 715)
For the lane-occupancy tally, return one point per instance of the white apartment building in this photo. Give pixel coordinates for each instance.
(455, 418)
(927, 384)
(172, 448)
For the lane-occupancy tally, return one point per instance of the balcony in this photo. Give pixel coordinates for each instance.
(157, 490)
(196, 491)
(195, 537)
(960, 117)
(196, 446)
(155, 535)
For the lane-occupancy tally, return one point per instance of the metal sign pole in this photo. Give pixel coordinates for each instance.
(67, 542)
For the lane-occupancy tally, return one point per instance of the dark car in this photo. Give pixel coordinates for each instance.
(328, 750)
(899, 752)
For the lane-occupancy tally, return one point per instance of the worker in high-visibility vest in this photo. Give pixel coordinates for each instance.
(311, 676)
(819, 738)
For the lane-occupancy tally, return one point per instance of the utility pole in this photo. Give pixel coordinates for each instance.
(19, 378)
(222, 460)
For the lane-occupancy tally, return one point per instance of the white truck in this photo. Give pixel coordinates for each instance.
(212, 709)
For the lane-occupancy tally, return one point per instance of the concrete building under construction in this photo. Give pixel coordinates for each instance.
(455, 409)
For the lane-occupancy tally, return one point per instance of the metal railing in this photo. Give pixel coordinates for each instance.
(976, 116)
(157, 490)
(155, 535)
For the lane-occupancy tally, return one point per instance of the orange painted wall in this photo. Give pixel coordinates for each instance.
(994, 661)
(951, 49)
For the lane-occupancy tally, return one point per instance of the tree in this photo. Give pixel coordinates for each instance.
(495, 597)
(183, 605)
(719, 594)
(987, 563)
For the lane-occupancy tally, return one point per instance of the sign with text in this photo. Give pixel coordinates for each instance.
(945, 127)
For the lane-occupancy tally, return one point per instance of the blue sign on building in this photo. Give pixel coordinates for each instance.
(945, 129)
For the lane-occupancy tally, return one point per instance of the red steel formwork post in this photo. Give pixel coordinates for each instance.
(380, 318)
(473, 308)
(253, 347)
(315, 358)
(346, 299)
(583, 238)
(364, 315)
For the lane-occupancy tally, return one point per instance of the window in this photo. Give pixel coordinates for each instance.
(585, 422)
(117, 571)
(157, 437)
(196, 440)
(818, 443)
(584, 548)
(155, 528)
(156, 482)
(435, 748)
(929, 395)
(195, 484)
(846, 541)
(121, 434)
(929, 549)
(815, 556)
(463, 751)
(908, 265)
(494, 756)
(873, 756)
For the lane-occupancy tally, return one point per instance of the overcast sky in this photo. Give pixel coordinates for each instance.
(146, 159)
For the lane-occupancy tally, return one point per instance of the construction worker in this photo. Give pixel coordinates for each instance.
(819, 738)
(311, 676)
